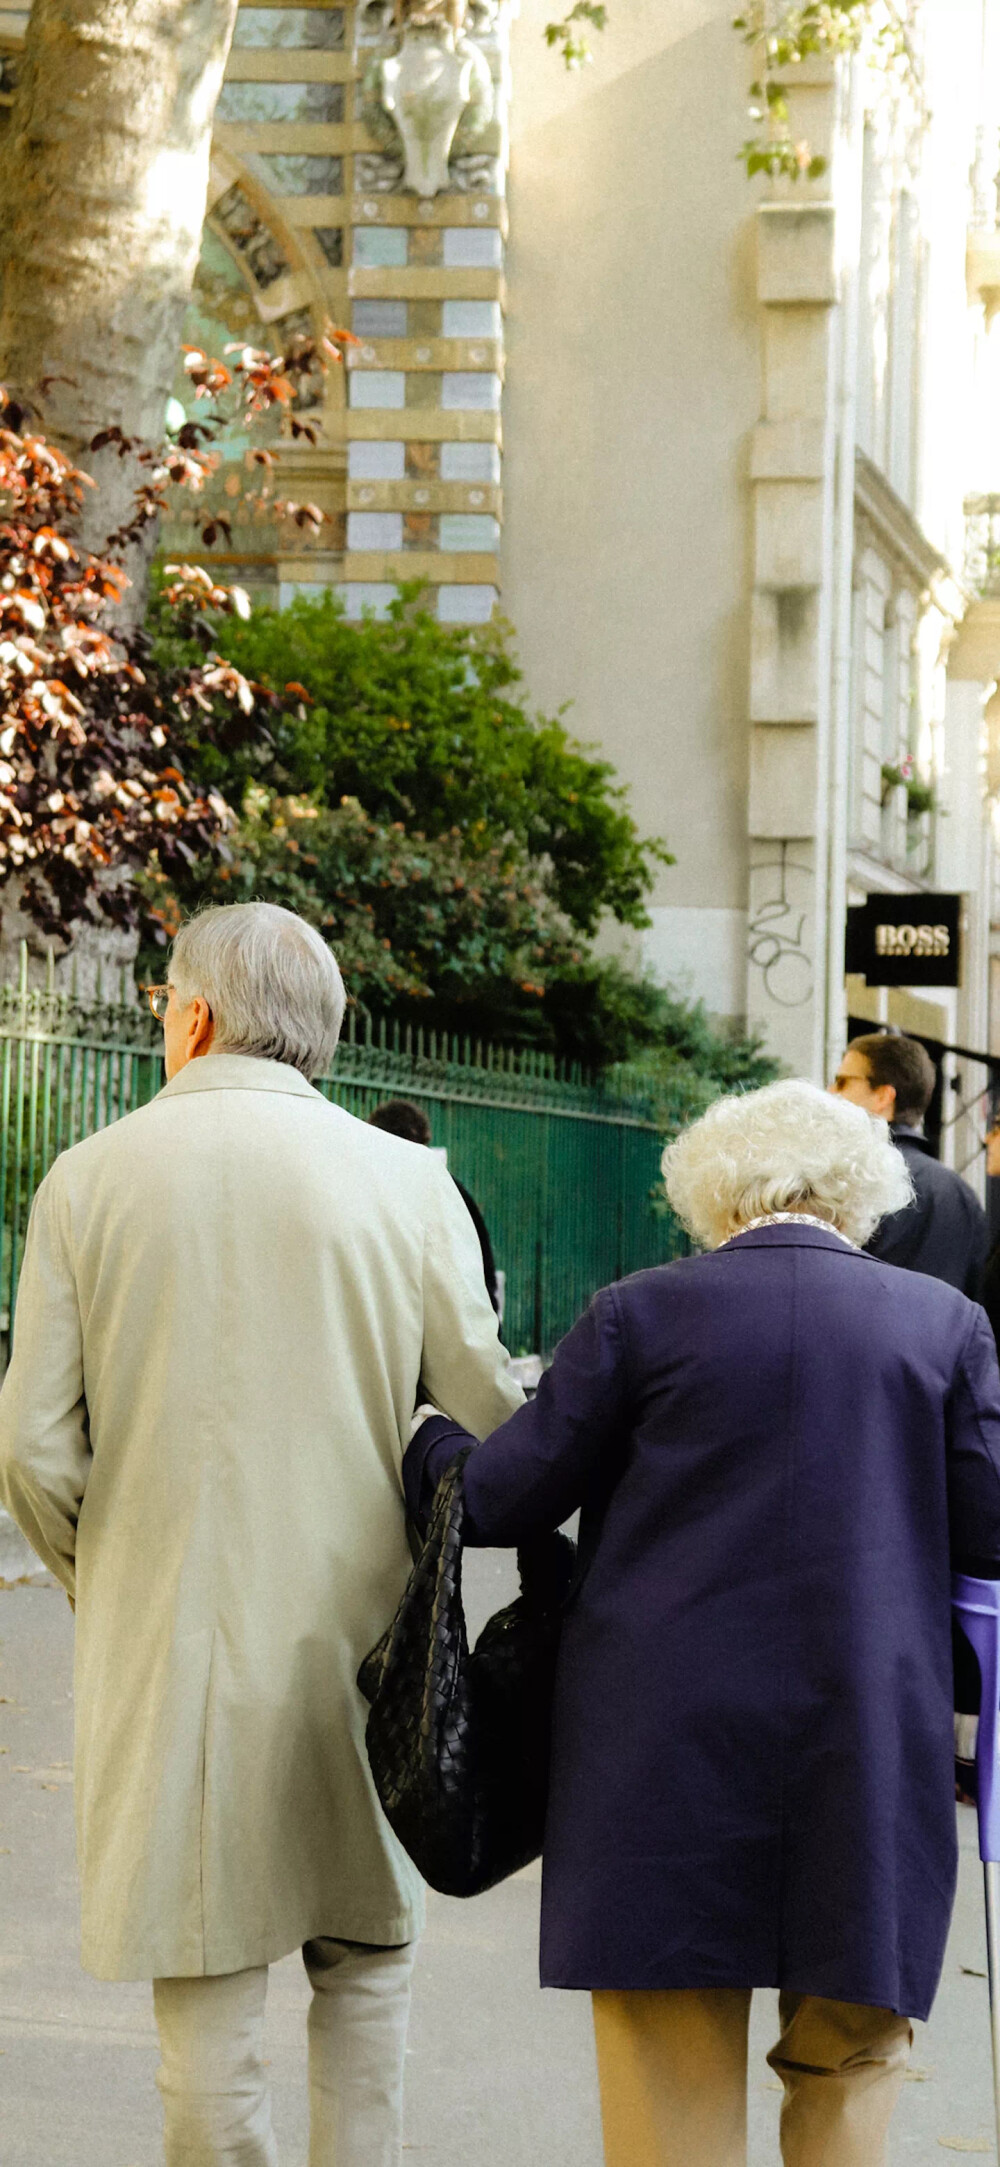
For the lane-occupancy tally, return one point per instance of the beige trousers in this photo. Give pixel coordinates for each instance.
(673, 2073)
(217, 2107)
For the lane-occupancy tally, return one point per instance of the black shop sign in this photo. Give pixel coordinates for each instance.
(906, 940)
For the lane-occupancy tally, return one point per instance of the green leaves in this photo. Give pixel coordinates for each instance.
(456, 848)
(823, 27)
(575, 47)
(426, 723)
(413, 918)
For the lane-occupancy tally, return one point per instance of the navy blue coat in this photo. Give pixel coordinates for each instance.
(778, 1450)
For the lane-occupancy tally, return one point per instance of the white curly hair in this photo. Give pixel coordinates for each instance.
(787, 1147)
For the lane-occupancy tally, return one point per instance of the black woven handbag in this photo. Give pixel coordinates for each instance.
(458, 1742)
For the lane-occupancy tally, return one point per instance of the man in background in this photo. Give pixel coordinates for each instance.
(400, 1117)
(943, 1232)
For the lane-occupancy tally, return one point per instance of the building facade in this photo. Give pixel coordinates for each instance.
(748, 495)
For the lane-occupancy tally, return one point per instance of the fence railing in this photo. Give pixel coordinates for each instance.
(562, 1166)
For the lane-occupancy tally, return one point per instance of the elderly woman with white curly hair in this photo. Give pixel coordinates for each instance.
(778, 1447)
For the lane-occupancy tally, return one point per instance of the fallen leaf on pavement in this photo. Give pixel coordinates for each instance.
(917, 2076)
(971, 1973)
(965, 2144)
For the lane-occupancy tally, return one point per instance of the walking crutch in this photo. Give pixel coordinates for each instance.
(976, 1605)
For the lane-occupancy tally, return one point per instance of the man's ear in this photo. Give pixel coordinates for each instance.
(202, 1029)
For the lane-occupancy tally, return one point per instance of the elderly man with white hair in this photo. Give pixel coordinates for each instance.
(778, 1446)
(227, 1301)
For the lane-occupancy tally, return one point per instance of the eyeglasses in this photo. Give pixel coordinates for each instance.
(157, 996)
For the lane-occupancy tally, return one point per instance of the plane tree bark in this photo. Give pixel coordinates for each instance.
(103, 186)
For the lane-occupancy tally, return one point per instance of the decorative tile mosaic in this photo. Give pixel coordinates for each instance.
(425, 244)
(377, 387)
(467, 248)
(378, 246)
(258, 102)
(469, 531)
(425, 319)
(470, 391)
(377, 173)
(422, 462)
(297, 173)
(466, 605)
(471, 320)
(419, 530)
(238, 218)
(379, 462)
(379, 319)
(331, 241)
(477, 173)
(423, 388)
(308, 29)
(470, 462)
(374, 530)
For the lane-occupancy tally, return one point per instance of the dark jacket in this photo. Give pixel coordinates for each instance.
(777, 1449)
(943, 1232)
(485, 1244)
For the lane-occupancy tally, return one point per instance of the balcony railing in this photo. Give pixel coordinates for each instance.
(982, 546)
(985, 181)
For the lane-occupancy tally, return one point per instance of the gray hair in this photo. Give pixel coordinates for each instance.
(789, 1146)
(271, 982)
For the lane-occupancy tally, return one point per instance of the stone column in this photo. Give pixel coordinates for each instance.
(793, 473)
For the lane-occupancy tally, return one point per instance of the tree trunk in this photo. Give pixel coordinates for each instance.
(103, 183)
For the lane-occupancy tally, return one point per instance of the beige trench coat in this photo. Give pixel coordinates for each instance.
(227, 1302)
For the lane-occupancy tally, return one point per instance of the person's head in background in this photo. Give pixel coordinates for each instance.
(888, 1076)
(399, 1117)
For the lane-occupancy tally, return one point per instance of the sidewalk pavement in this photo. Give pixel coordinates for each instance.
(499, 2074)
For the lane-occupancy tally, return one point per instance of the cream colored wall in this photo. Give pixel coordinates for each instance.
(633, 382)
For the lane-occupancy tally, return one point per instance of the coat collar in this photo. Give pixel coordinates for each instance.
(238, 1072)
(915, 1138)
(800, 1237)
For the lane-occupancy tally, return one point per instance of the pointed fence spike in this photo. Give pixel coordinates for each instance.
(408, 1042)
(381, 1034)
(22, 975)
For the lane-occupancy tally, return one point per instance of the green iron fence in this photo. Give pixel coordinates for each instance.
(562, 1167)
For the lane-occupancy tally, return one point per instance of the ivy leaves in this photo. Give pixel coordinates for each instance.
(883, 28)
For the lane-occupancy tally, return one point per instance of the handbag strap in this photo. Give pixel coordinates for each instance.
(435, 1579)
